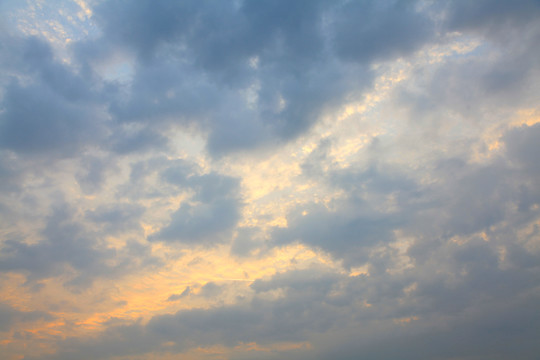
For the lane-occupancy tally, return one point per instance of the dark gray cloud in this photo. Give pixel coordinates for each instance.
(380, 199)
(55, 111)
(127, 141)
(211, 290)
(213, 186)
(92, 173)
(10, 316)
(205, 223)
(11, 173)
(492, 17)
(259, 320)
(35, 119)
(312, 281)
(367, 31)
(190, 72)
(178, 172)
(248, 240)
(498, 75)
(464, 198)
(461, 305)
(522, 147)
(66, 242)
(300, 60)
(342, 231)
(183, 294)
(212, 212)
(117, 218)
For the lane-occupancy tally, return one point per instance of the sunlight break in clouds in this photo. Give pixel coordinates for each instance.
(269, 179)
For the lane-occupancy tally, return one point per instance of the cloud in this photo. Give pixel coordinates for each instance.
(117, 218)
(183, 294)
(68, 243)
(260, 321)
(206, 84)
(9, 316)
(202, 222)
(92, 173)
(487, 16)
(372, 31)
(382, 201)
(338, 232)
(36, 120)
(270, 179)
(246, 241)
(129, 141)
(53, 112)
(522, 145)
(212, 214)
(400, 311)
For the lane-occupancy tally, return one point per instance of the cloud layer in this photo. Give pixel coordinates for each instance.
(269, 179)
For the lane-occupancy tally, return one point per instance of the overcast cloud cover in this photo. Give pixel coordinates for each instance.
(253, 179)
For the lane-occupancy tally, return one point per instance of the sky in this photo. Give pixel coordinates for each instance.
(269, 179)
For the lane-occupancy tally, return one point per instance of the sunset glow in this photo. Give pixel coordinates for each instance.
(269, 179)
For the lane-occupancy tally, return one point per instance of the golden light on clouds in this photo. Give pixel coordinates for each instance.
(262, 180)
